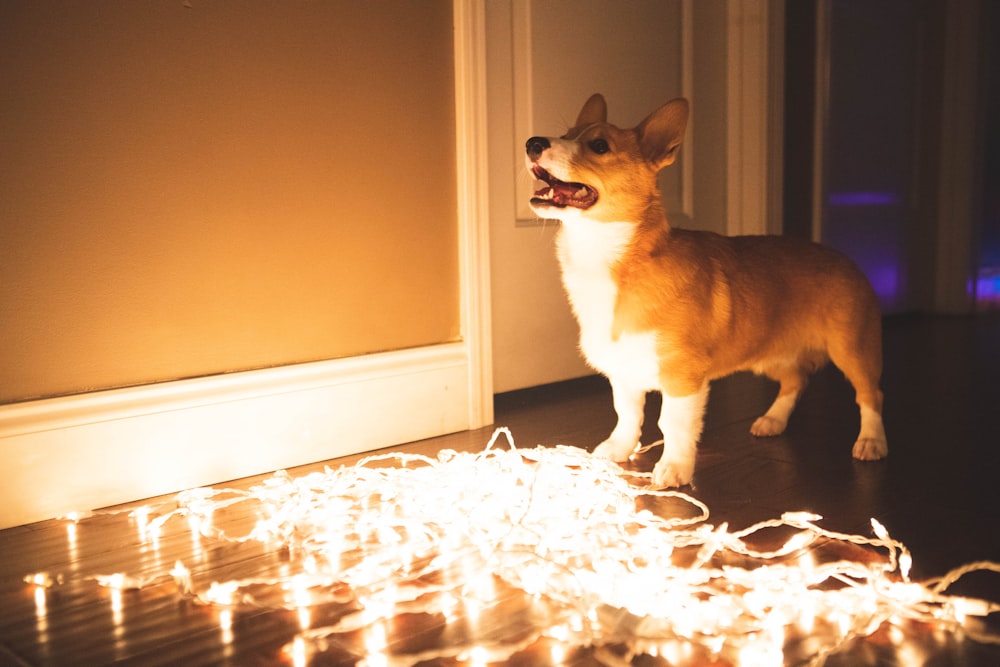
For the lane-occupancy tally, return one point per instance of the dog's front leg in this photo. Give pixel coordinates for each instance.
(681, 419)
(629, 403)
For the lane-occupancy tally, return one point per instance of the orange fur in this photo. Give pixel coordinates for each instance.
(695, 305)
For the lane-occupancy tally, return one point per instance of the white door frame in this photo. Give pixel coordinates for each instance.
(473, 204)
(754, 116)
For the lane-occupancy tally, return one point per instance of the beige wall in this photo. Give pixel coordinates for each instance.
(196, 188)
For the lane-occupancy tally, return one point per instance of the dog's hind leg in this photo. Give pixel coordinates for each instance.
(793, 379)
(871, 444)
(861, 363)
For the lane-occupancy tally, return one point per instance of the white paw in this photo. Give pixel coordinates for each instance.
(765, 426)
(870, 449)
(615, 450)
(672, 473)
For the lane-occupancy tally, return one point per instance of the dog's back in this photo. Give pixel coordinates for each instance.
(758, 299)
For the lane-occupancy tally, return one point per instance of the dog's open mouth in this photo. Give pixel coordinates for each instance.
(561, 194)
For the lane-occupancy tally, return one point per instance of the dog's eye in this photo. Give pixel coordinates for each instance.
(599, 146)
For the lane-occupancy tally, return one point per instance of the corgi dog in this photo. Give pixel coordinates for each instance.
(669, 310)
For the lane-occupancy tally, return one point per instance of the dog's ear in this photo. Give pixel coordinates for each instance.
(660, 134)
(595, 110)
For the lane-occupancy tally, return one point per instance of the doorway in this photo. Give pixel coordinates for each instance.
(883, 160)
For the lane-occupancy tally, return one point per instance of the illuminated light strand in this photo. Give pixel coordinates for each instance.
(457, 536)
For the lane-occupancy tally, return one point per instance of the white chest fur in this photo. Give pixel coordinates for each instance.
(587, 251)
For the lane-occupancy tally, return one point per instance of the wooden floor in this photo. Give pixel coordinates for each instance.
(938, 492)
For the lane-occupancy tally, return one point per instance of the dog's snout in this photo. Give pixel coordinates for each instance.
(535, 146)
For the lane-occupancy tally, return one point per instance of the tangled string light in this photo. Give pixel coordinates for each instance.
(479, 556)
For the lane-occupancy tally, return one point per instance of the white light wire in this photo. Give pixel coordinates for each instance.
(460, 535)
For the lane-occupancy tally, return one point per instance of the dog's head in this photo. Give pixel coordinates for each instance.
(601, 172)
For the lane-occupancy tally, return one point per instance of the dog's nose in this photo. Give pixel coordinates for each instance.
(535, 146)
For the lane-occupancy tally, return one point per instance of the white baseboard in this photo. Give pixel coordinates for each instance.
(104, 448)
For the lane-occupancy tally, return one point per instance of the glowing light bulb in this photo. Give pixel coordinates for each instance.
(300, 590)
(182, 577)
(905, 563)
(221, 593)
(478, 657)
(797, 542)
(448, 606)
